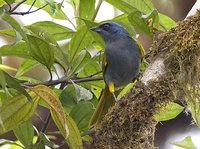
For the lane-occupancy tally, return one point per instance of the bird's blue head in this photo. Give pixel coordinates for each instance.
(110, 31)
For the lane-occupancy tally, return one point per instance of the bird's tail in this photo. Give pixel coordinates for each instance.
(106, 101)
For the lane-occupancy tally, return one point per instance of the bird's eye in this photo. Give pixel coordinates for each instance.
(106, 27)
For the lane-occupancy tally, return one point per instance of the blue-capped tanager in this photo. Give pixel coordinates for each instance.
(121, 64)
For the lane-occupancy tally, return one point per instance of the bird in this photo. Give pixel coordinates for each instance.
(121, 65)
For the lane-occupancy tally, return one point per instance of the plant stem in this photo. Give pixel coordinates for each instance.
(97, 9)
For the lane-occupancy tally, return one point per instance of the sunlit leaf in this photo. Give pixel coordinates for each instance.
(8, 32)
(86, 9)
(58, 32)
(19, 49)
(25, 133)
(80, 40)
(16, 111)
(168, 112)
(186, 143)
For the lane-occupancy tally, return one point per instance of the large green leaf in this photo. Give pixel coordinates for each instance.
(53, 101)
(60, 56)
(82, 113)
(19, 49)
(80, 40)
(168, 112)
(25, 133)
(58, 32)
(186, 143)
(126, 6)
(41, 50)
(16, 111)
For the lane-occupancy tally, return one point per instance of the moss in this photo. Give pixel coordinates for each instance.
(130, 123)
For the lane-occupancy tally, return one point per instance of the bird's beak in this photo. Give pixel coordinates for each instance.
(95, 29)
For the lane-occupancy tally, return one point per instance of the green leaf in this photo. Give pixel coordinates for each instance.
(166, 23)
(82, 113)
(144, 6)
(25, 133)
(2, 80)
(80, 61)
(68, 98)
(125, 90)
(8, 32)
(16, 111)
(86, 9)
(9, 1)
(58, 32)
(186, 143)
(139, 23)
(60, 56)
(80, 40)
(168, 112)
(96, 37)
(13, 83)
(74, 139)
(2, 3)
(57, 110)
(19, 49)
(26, 66)
(12, 22)
(41, 50)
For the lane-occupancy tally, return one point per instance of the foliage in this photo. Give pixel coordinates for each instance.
(37, 44)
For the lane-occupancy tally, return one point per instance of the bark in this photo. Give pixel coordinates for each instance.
(172, 75)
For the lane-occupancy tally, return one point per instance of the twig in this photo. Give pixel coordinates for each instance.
(32, 5)
(97, 9)
(47, 121)
(28, 12)
(65, 80)
(16, 6)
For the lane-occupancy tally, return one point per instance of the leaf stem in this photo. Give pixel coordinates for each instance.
(97, 9)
